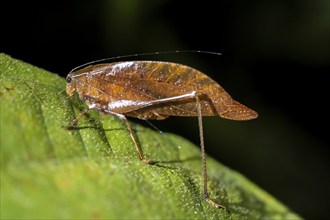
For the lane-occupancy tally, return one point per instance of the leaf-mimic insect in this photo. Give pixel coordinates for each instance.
(154, 90)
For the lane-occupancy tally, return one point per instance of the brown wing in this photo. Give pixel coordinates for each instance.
(152, 80)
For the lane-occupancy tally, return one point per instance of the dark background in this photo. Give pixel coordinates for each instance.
(275, 59)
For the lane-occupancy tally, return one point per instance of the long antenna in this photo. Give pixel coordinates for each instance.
(145, 54)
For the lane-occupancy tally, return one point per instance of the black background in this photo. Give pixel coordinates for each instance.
(275, 60)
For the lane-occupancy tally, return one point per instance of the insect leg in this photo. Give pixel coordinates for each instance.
(174, 98)
(128, 125)
(204, 172)
(74, 122)
(152, 125)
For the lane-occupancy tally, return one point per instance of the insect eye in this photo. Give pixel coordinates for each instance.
(68, 80)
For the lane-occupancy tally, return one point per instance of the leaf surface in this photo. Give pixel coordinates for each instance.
(94, 172)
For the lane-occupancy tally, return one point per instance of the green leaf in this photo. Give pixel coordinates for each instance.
(94, 172)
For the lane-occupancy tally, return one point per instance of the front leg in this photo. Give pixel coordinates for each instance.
(90, 101)
(75, 121)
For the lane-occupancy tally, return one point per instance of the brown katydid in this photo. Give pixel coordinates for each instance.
(154, 90)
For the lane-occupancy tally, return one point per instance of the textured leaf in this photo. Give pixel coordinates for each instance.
(94, 172)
